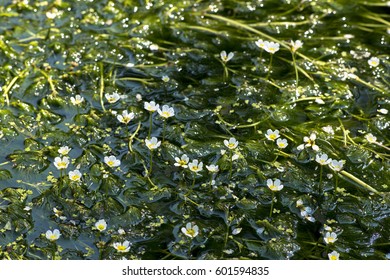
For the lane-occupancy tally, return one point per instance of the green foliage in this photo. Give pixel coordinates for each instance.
(53, 51)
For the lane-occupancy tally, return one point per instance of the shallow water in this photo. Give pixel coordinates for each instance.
(169, 53)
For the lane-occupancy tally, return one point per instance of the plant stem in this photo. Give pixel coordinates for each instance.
(319, 184)
(211, 180)
(269, 67)
(231, 164)
(150, 125)
(272, 205)
(164, 125)
(296, 73)
(102, 86)
(193, 182)
(358, 181)
(151, 163)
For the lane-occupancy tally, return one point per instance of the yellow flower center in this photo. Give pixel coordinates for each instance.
(62, 164)
(126, 119)
(110, 163)
(75, 178)
(52, 237)
(330, 240)
(101, 227)
(194, 168)
(191, 232)
(231, 145)
(182, 162)
(272, 136)
(273, 188)
(121, 248)
(151, 146)
(281, 145)
(165, 114)
(333, 258)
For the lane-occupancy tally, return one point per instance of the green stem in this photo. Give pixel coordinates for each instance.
(272, 205)
(320, 183)
(269, 67)
(11, 84)
(296, 73)
(193, 182)
(132, 137)
(151, 163)
(231, 165)
(358, 181)
(150, 125)
(164, 126)
(225, 72)
(102, 86)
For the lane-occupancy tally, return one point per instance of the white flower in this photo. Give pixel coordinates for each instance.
(306, 213)
(334, 256)
(330, 237)
(166, 111)
(152, 143)
(299, 203)
(232, 143)
(274, 185)
(77, 100)
(282, 143)
(195, 166)
(125, 117)
(153, 47)
(138, 97)
(190, 230)
(64, 150)
(101, 225)
(271, 47)
(122, 247)
(272, 135)
(112, 98)
(225, 58)
(370, 138)
(165, 79)
(75, 175)
(52, 14)
(309, 142)
(296, 45)
(236, 231)
(61, 163)
(121, 231)
(373, 61)
(111, 161)
(53, 235)
(328, 129)
(323, 159)
(235, 157)
(183, 161)
(336, 165)
(383, 111)
(260, 43)
(212, 168)
(151, 106)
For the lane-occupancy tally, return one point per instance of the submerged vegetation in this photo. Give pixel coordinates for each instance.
(145, 129)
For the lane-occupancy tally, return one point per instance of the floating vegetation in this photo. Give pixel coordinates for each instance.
(194, 129)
